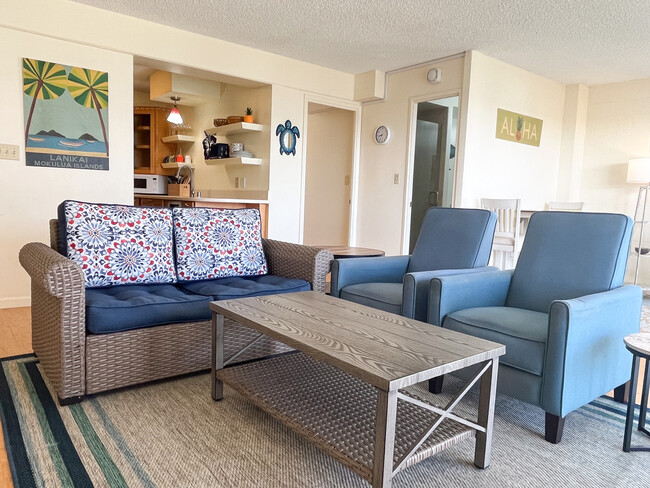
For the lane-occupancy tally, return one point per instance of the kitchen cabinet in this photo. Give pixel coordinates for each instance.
(149, 152)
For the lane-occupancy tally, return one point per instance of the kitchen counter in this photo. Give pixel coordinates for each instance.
(213, 200)
(202, 199)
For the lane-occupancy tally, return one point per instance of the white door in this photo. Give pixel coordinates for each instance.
(330, 149)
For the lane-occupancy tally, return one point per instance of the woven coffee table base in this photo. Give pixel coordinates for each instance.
(336, 411)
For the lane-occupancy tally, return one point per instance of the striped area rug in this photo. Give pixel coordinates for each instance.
(171, 434)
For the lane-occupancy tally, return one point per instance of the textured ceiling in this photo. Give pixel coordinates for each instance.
(572, 41)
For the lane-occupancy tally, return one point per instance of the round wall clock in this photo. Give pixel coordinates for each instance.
(382, 134)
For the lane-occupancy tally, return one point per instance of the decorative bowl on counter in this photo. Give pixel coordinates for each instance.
(220, 122)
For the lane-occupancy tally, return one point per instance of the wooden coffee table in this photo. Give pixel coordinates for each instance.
(343, 390)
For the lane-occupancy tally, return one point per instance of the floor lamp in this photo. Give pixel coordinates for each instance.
(638, 171)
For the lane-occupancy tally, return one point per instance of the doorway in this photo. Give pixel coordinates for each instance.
(328, 175)
(434, 158)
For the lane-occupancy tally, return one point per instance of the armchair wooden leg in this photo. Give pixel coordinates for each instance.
(622, 393)
(435, 384)
(554, 428)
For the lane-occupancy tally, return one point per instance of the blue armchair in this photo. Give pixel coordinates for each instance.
(562, 312)
(451, 241)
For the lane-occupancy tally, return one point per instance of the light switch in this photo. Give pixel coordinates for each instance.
(237, 182)
(396, 179)
(347, 180)
(9, 151)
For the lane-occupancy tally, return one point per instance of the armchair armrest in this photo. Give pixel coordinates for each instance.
(450, 293)
(585, 354)
(415, 293)
(58, 317)
(383, 269)
(297, 261)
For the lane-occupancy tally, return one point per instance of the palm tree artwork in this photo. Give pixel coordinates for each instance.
(42, 81)
(89, 88)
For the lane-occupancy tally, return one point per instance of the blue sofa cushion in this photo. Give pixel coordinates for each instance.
(241, 287)
(119, 244)
(523, 332)
(568, 255)
(216, 243)
(453, 238)
(121, 308)
(383, 296)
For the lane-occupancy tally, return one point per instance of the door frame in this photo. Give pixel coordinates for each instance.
(410, 156)
(355, 108)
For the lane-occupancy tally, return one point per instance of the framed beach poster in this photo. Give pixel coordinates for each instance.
(66, 116)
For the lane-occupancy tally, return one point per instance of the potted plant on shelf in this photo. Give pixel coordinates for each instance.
(249, 115)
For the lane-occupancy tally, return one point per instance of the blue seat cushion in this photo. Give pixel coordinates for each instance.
(241, 287)
(523, 332)
(383, 296)
(120, 308)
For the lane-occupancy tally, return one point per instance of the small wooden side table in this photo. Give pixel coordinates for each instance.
(639, 346)
(341, 252)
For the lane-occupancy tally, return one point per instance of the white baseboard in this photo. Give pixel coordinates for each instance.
(15, 302)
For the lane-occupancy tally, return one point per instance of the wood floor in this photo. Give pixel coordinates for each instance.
(15, 339)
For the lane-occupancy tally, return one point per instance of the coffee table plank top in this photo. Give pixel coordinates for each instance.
(381, 348)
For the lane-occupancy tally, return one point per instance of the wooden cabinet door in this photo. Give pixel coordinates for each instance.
(150, 126)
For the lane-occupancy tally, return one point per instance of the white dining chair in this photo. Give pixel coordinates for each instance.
(566, 206)
(507, 238)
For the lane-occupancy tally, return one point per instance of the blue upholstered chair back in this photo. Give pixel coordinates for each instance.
(453, 238)
(569, 254)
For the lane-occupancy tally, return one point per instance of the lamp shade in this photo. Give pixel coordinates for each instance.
(174, 116)
(638, 170)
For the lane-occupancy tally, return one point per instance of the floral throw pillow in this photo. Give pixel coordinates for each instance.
(215, 243)
(119, 244)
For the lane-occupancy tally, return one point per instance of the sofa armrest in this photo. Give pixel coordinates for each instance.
(297, 261)
(382, 269)
(585, 353)
(58, 317)
(415, 293)
(448, 294)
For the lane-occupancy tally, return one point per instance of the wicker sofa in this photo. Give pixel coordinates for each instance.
(78, 363)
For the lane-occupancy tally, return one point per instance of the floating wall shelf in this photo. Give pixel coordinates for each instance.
(235, 161)
(238, 128)
(179, 138)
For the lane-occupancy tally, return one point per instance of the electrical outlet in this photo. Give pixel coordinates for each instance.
(347, 180)
(396, 179)
(9, 151)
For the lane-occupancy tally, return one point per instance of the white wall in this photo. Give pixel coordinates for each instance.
(30, 195)
(618, 124)
(381, 201)
(285, 177)
(329, 161)
(495, 168)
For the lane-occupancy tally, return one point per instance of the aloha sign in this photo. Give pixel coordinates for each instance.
(518, 128)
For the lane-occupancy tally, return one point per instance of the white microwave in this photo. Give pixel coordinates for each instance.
(152, 184)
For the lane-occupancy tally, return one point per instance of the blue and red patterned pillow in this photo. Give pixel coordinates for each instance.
(119, 244)
(215, 243)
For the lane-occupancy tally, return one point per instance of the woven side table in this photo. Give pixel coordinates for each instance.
(639, 346)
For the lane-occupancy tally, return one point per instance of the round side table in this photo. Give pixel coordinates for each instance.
(342, 252)
(639, 346)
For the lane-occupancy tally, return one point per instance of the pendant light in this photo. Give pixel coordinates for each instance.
(174, 116)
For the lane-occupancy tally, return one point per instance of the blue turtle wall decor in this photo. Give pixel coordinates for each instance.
(288, 136)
